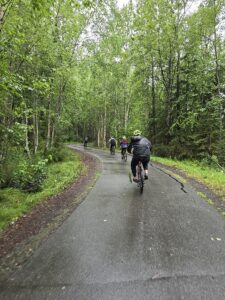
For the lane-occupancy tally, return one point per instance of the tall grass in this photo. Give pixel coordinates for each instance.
(213, 177)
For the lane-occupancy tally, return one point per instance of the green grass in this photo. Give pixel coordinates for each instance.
(15, 203)
(213, 178)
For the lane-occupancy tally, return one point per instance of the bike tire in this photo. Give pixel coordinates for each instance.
(113, 150)
(140, 178)
(142, 184)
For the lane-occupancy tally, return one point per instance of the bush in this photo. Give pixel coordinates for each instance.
(173, 150)
(30, 175)
(56, 155)
(9, 166)
(164, 150)
(6, 173)
(210, 161)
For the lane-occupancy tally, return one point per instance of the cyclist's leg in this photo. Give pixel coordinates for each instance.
(112, 149)
(145, 162)
(134, 163)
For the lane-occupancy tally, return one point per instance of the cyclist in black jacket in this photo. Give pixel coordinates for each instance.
(140, 147)
(112, 143)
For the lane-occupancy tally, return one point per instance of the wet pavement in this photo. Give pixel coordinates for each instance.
(166, 243)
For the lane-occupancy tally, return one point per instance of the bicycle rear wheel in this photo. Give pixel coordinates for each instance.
(125, 157)
(113, 150)
(141, 184)
(141, 180)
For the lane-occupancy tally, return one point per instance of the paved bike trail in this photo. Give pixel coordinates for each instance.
(118, 244)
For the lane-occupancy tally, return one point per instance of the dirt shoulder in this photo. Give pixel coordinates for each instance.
(20, 239)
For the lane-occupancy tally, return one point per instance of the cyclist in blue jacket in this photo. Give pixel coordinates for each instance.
(140, 147)
(123, 145)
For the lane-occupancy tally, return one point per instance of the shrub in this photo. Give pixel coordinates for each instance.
(56, 155)
(163, 150)
(210, 161)
(9, 166)
(30, 175)
(173, 150)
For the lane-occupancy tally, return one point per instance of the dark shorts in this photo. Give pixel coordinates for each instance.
(134, 162)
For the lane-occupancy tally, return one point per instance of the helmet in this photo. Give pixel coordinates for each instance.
(137, 132)
(124, 137)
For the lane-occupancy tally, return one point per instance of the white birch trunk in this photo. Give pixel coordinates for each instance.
(48, 127)
(26, 136)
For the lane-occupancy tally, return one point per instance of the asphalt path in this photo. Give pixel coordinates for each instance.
(167, 243)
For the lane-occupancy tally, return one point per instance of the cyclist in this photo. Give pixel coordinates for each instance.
(123, 145)
(85, 141)
(140, 147)
(112, 143)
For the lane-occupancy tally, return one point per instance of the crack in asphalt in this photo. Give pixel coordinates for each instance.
(155, 277)
(181, 184)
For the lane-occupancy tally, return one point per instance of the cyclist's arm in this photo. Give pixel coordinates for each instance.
(150, 146)
(129, 148)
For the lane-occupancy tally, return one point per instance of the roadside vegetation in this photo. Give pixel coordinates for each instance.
(70, 69)
(211, 175)
(14, 202)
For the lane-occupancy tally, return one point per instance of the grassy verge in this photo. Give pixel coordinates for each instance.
(213, 178)
(14, 203)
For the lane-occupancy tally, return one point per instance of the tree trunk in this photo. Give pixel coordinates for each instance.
(35, 129)
(153, 101)
(48, 127)
(104, 125)
(217, 76)
(52, 136)
(26, 136)
(98, 137)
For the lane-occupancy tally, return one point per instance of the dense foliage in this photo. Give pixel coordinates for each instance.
(73, 68)
(38, 59)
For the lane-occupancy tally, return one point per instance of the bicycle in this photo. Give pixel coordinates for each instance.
(112, 150)
(124, 155)
(140, 175)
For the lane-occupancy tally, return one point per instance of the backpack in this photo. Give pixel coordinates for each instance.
(113, 142)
